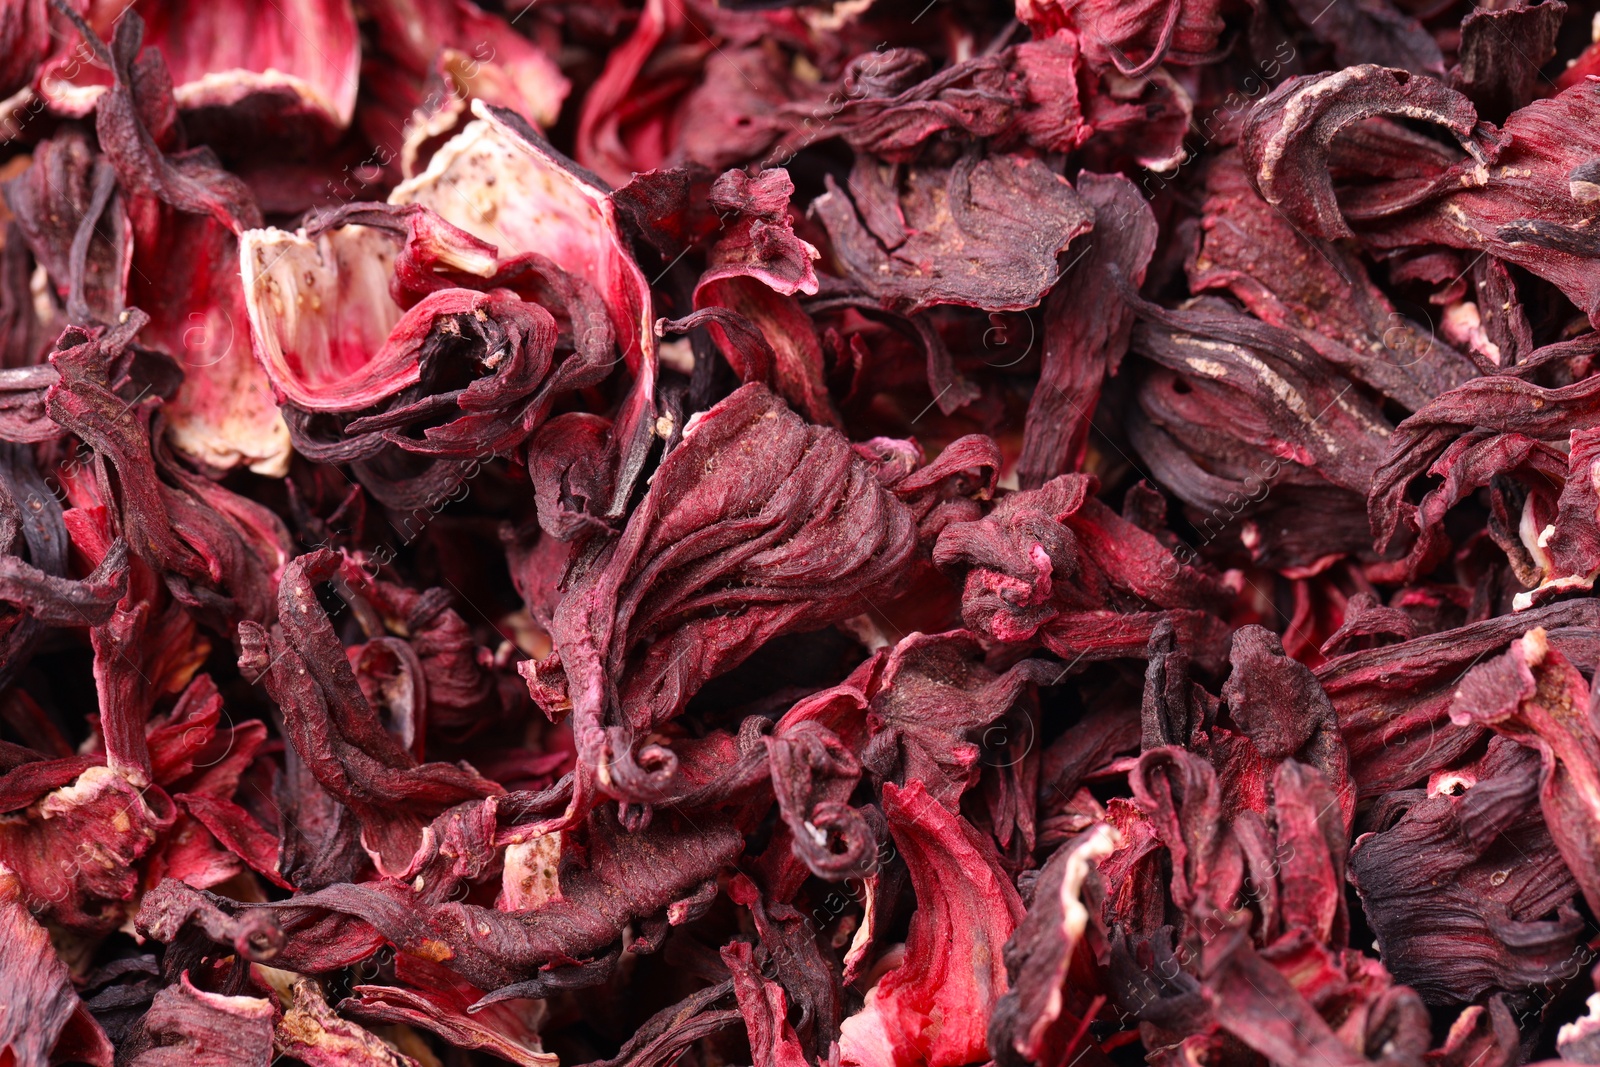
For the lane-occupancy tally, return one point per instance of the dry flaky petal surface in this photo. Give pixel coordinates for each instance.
(702, 533)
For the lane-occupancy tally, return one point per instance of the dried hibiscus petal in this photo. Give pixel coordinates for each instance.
(759, 548)
(1504, 875)
(44, 1018)
(981, 233)
(276, 65)
(934, 1007)
(1053, 535)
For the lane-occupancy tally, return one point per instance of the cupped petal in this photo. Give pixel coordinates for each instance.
(933, 1009)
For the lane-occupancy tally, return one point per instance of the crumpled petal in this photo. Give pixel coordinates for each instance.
(43, 1019)
(444, 1006)
(934, 1008)
(1288, 135)
(762, 547)
(1474, 858)
(191, 1026)
(981, 233)
(1047, 957)
(1534, 695)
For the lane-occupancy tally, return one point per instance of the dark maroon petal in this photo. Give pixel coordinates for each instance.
(771, 525)
(1484, 429)
(1057, 564)
(630, 877)
(1504, 877)
(1134, 39)
(982, 233)
(1366, 619)
(1266, 389)
(337, 730)
(25, 42)
(1279, 705)
(58, 601)
(1260, 1007)
(142, 89)
(892, 106)
(813, 775)
(1374, 31)
(1083, 340)
(1394, 702)
(662, 1038)
(1289, 133)
(1048, 958)
(172, 905)
(1535, 219)
(932, 697)
(1318, 290)
(755, 270)
(1534, 694)
(1052, 114)
(1501, 53)
(68, 210)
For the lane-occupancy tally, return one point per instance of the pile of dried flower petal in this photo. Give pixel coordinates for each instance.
(872, 533)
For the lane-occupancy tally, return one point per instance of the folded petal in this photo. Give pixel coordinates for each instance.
(934, 1008)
